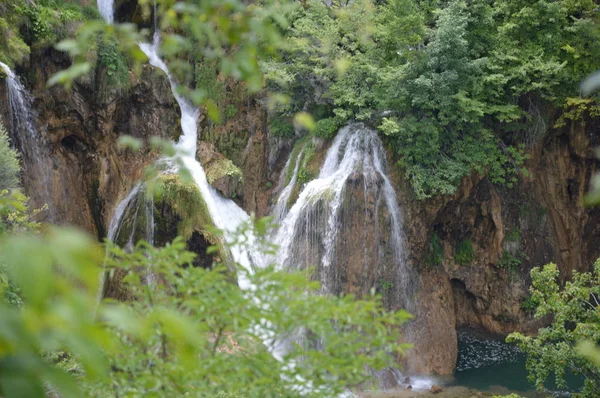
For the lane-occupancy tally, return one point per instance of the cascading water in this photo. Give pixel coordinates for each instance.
(352, 195)
(133, 219)
(106, 8)
(25, 137)
(224, 212)
(281, 206)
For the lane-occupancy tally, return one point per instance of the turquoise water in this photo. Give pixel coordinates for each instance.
(487, 363)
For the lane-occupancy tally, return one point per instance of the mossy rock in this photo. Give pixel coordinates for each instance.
(221, 173)
(183, 201)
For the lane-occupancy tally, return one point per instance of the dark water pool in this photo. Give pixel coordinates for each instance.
(487, 363)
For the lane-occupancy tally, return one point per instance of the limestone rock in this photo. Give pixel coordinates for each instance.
(221, 173)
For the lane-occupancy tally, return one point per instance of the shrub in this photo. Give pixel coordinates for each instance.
(280, 126)
(9, 162)
(326, 128)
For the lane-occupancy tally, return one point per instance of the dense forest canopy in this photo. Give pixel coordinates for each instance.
(462, 86)
(455, 86)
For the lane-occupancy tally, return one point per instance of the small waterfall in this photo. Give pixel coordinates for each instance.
(106, 8)
(22, 116)
(281, 206)
(348, 216)
(24, 136)
(133, 219)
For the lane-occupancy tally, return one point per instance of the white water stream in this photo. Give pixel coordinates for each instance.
(225, 214)
(106, 8)
(316, 220)
(24, 136)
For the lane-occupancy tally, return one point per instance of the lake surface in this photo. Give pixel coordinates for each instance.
(487, 363)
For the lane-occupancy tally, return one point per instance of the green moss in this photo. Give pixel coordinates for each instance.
(13, 49)
(294, 158)
(435, 251)
(463, 253)
(224, 167)
(113, 62)
(185, 199)
(513, 236)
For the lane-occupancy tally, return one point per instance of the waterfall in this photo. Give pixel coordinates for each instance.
(280, 208)
(133, 219)
(352, 195)
(24, 136)
(106, 8)
(225, 213)
(20, 102)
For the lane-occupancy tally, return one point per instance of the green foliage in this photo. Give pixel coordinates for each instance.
(435, 251)
(529, 304)
(509, 262)
(53, 20)
(198, 41)
(463, 252)
(200, 317)
(14, 218)
(466, 82)
(326, 128)
(188, 330)
(280, 126)
(58, 281)
(573, 307)
(9, 162)
(578, 109)
(113, 62)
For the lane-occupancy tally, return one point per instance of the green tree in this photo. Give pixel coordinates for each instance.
(575, 318)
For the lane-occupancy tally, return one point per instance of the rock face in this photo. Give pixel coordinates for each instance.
(242, 137)
(221, 173)
(85, 172)
(475, 249)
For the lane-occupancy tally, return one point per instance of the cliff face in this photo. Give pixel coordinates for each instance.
(78, 169)
(475, 250)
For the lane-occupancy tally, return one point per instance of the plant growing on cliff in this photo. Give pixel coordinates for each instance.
(574, 309)
(9, 162)
(463, 252)
(435, 251)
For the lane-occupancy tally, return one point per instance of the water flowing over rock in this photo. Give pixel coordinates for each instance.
(25, 136)
(225, 214)
(285, 191)
(133, 220)
(106, 8)
(347, 223)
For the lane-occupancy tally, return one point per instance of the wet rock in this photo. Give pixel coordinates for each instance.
(435, 389)
(221, 173)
